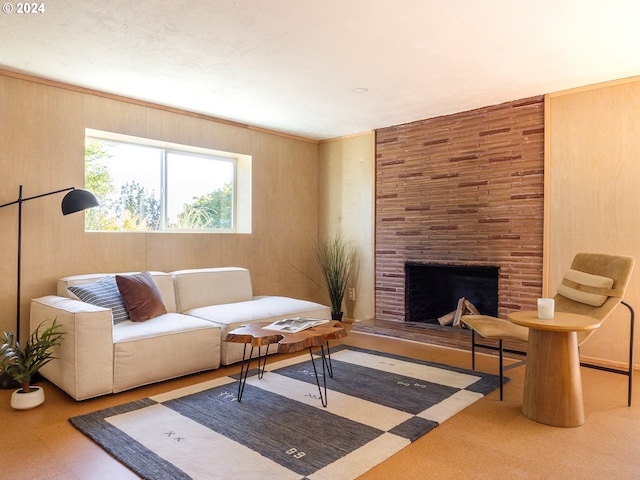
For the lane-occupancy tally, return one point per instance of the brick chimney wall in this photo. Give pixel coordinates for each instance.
(463, 189)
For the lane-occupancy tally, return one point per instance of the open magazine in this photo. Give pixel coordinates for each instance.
(293, 325)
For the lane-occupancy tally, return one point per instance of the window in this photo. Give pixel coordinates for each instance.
(152, 186)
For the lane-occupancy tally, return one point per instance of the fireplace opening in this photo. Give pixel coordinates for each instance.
(432, 291)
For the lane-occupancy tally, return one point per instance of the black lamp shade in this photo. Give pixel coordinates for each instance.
(77, 200)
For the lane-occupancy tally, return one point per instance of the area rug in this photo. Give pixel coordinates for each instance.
(378, 403)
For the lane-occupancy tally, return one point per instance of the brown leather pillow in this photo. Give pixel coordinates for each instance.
(141, 296)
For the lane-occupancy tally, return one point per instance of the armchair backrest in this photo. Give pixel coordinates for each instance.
(616, 267)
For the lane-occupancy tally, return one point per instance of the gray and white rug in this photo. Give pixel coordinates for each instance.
(377, 404)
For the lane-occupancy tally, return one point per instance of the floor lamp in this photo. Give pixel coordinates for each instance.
(74, 201)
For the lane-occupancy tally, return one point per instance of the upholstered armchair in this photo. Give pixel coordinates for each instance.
(594, 286)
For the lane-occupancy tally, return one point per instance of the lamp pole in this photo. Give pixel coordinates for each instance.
(74, 201)
(19, 202)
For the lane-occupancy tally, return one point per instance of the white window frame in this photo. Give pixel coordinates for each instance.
(242, 197)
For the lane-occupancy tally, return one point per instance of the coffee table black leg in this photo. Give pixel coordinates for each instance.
(243, 372)
(329, 365)
(323, 399)
(262, 365)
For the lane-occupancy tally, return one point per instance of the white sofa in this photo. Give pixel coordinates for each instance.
(97, 357)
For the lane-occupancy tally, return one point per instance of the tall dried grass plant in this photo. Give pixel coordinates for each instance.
(337, 260)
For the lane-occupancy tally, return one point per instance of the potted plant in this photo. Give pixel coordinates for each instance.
(21, 364)
(337, 260)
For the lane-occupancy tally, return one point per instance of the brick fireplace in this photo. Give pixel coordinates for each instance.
(462, 190)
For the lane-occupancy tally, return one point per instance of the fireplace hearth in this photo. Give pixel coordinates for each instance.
(433, 290)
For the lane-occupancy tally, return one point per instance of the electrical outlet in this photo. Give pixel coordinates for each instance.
(351, 294)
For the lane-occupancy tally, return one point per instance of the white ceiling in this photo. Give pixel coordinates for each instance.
(293, 65)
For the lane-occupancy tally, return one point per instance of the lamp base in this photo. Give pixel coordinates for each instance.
(8, 383)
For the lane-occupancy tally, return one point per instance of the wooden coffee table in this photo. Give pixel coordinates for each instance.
(255, 335)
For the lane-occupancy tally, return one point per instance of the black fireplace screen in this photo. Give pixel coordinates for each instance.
(432, 291)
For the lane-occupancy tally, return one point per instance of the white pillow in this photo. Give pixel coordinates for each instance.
(573, 283)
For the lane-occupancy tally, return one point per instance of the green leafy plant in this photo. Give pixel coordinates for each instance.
(337, 260)
(21, 364)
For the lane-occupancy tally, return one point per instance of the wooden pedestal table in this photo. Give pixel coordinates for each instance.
(256, 336)
(552, 383)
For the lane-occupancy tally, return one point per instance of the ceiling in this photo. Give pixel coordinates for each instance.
(301, 67)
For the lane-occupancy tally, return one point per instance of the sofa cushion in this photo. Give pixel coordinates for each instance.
(141, 296)
(211, 286)
(257, 310)
(103, 293)
(165, 324)
(167, 346)
(260, 309)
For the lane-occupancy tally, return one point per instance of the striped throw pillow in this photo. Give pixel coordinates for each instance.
(103, 293)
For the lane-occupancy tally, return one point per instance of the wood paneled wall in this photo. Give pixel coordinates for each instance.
(42, 128)
(347, 173)
(592, 196)
(592, 146)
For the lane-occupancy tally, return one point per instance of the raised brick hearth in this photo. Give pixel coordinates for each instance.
(463, 189)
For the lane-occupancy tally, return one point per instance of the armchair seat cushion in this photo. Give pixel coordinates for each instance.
(496, 328)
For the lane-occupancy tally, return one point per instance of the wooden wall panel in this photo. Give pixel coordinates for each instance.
(42, 147)
(347, 178)
(593, 199)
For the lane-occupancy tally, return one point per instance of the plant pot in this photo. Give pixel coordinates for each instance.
(7, 382)
(336, 316)
(25, 400)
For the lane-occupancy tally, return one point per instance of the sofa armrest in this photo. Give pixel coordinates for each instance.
(83, 364)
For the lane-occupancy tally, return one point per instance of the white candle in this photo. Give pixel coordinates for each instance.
(545, 307)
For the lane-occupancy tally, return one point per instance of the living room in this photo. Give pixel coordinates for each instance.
(304, 189)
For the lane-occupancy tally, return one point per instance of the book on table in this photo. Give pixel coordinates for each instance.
(294, 325)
